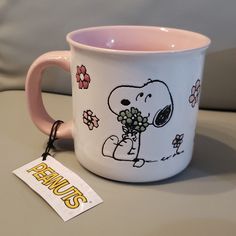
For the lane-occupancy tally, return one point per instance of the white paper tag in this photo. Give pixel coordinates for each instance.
(64, 190)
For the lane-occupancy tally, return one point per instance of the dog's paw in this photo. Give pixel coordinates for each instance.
(139, 163)
(109, 146)
(125, 150)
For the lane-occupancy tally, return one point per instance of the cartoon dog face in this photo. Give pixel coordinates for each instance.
(153, 99)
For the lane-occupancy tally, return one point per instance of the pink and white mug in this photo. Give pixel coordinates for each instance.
(135, 93)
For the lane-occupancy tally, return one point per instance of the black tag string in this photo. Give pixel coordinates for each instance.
(52, 138)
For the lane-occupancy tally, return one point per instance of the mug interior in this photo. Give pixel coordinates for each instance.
(137, 39)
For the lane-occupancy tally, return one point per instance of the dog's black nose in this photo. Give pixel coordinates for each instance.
(125, 102)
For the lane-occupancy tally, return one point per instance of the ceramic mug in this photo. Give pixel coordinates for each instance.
(135, 95)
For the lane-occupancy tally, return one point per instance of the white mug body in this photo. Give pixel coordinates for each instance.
(135, 113)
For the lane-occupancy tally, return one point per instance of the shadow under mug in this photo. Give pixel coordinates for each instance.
(135, 93)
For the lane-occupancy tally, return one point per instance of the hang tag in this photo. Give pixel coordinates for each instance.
(64, 190)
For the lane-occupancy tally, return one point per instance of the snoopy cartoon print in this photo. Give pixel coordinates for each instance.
(137, 108)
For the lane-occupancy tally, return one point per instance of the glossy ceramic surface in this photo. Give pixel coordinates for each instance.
(135, 93)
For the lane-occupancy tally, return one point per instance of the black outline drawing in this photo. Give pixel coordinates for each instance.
(178, 140)
(90, 119)
(176, 143)
(131, 138)
(195, 93)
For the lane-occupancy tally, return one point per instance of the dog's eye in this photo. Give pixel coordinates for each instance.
(163, 116)
(139, 95)
(148, 96)
(125, 102)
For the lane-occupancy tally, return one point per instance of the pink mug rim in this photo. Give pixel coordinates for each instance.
(204, 41)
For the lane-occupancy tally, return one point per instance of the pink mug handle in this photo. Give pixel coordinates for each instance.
(37, 110)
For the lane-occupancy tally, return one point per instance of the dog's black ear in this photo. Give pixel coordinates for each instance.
(162, 116)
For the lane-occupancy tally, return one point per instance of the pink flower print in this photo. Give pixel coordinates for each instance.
(90, 120)
(195, 93)
(82, 77)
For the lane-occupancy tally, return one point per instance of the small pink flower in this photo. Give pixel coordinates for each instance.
(195, 93)
(82, 77)
(90, 120)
